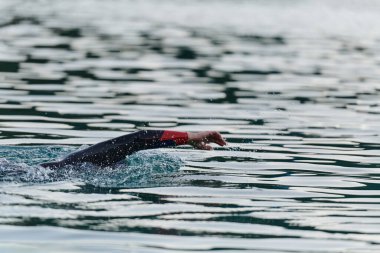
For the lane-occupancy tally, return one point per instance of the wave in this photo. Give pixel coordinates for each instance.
(142, 169)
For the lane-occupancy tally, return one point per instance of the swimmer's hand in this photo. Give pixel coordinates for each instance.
(201, 139)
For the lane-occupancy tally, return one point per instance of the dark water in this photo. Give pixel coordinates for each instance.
(293, 86)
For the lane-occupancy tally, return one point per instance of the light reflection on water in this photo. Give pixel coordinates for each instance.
(298, 105)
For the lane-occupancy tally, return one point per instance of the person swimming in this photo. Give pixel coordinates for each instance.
(109, 152)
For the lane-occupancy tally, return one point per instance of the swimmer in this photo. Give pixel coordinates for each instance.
(112, 151)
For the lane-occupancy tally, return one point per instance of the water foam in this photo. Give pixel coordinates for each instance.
(144, 168)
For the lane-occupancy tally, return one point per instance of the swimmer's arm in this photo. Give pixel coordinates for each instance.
(114, 150)
(167, 138)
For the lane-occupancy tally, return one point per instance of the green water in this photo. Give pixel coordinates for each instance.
(292, 85)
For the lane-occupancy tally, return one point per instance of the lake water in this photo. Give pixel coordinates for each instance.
(292, 85)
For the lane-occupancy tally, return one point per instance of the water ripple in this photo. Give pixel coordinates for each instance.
(294, 90)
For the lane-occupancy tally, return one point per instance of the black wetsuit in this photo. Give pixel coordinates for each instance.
(112, 151)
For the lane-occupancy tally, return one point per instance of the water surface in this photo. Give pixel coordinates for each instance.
(292, 85)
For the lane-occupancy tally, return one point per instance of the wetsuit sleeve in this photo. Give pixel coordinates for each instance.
(114, 150)
(173, 138)
(149, 139)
